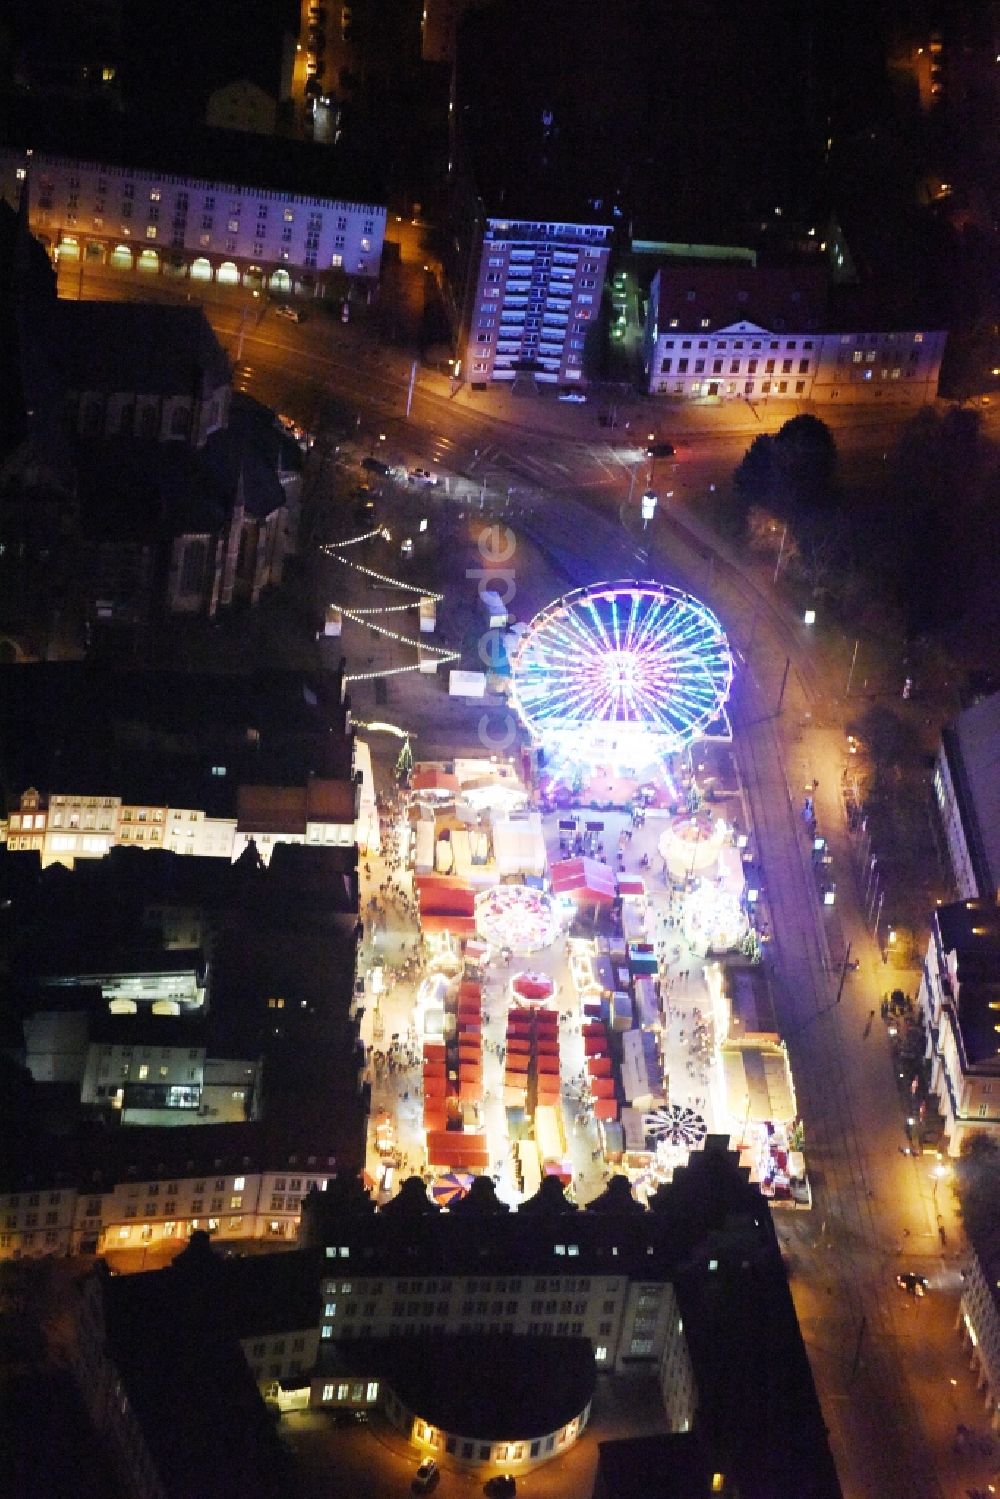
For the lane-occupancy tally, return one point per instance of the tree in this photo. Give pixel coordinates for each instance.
(792, 474)
(977, 1185)
(805, 456)
(404, 763)
(755, 474)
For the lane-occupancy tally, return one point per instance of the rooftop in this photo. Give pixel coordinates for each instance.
(972, 745)
(197, 1385)
(970, 929)
(84, 132)
(769, 297)
(613, 1235)
(671, 1466)
(158, 738)
(497, 1387)
(147, 347)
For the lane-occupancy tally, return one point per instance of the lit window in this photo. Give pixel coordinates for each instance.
(239, 1183)
(150, 231)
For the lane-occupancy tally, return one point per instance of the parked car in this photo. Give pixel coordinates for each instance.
(575, 397)
(660, 450)
(500, 1486)
(291, 314)
(913, 1284)
(376, 466)
(426, 1476)
(422, 476)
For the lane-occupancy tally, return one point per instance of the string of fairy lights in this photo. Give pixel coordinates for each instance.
(365, 617)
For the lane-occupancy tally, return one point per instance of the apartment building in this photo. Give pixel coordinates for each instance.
(143, 205)
(62, 828)
(958, 999)
(537, 295)
(238, 1183)
(979, 1320)
(968, 799)
(736, 332)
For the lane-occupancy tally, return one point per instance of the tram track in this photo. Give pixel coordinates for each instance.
(849, 1319)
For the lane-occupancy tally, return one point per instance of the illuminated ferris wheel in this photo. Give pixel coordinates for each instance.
(632, 669)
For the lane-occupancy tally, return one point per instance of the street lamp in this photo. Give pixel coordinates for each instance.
(938, 1174)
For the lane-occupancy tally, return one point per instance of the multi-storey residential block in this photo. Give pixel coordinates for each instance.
(62, 829)
(154, 1188)
(537, 295)
(205, 207)
(979, 1319)
(733, 331)
(967, 792)
(958, 999)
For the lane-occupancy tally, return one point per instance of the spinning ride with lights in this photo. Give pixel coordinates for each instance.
(676, 1125)
(623, 673)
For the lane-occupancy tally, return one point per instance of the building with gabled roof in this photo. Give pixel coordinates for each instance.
(745, 332)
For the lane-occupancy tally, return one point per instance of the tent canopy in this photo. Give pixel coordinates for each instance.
(586, 880)
(759, 1083)
(519, 846)
(440, 895)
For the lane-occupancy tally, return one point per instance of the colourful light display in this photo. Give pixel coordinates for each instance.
(627, 669)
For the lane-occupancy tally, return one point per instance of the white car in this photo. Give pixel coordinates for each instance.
(576, 397)
(422, 476)
(293, 314)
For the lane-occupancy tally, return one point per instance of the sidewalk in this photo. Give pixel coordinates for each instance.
(544, 415)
